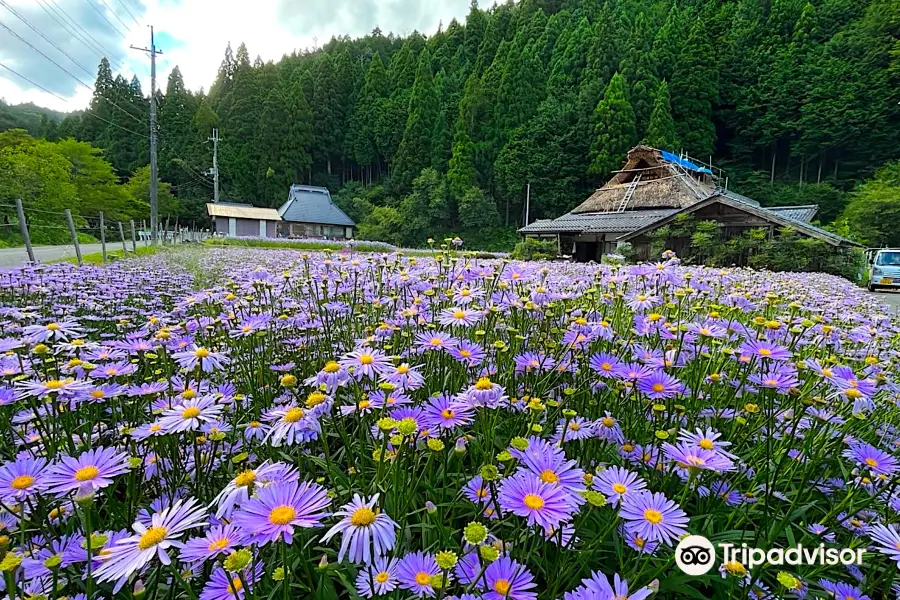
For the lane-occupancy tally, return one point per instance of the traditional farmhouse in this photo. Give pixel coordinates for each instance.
(310, 212)
(650, 191)
(243, 220)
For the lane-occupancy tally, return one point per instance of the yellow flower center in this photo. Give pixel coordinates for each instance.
(282, 515)
(53, 384)
(765, 352)
(362, 517)
(331, 367)
(501, 586)
(483, 384)
(382, 577)
(236, 586)
(52, 326)
(852, 393)
(549, 476)
(481, 492)
(871, 462)
(706, 444)
(201, 352)
(423, 578)
(658, 388)
(190, 412)
(189, 394)
(575, 426)
(97, 394)
(447, 413)
(465, 353)
(293, 415)
(245, 478)
(403, 369)
(653, 516)
(459, 315)
(364, 404)
(152, 537)
(606, 366)
(22, 482)
(608, 421)
(534, 502)
(619, 488)
(86, 473)
(436, 341)
(220, 544)
(366, 359)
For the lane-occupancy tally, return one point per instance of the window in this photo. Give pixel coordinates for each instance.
(888, 259)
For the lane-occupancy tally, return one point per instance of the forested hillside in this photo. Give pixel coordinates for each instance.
(797, 100)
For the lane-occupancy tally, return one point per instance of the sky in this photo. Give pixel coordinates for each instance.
(192, 34)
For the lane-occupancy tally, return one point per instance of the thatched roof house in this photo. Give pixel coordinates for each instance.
(649, 191)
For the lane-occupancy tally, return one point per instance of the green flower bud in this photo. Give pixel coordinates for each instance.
(53, 562)
(569, 413)
(238, 560)
(278, 574)
(519, 443)
(489, 473)
(396, 440)
(504, 456)
(489, 553)
(594, 498)
(475, 533)
(10, 562)
(446, 560)
(435, 445)
(536, 428)
(407, 427)
(386, 424)
(437, 581)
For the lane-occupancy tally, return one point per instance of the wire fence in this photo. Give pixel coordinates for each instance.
(34, 226)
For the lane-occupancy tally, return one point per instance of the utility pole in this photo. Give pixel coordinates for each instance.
(215, 139)
(154, 199)
(527, 202)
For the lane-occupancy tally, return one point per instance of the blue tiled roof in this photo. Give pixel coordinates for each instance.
(310, 204)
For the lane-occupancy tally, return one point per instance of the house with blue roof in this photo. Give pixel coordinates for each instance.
(651, 190)
(309, 212)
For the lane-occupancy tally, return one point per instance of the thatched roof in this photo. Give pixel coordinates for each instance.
(660, 184)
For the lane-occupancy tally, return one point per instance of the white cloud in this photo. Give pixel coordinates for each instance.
(192, 34)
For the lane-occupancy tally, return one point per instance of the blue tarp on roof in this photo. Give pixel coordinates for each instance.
(672, 158)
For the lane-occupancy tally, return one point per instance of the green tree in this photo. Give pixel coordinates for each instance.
(615, 133)
(661, 130)
(414, 152)
(694, 90)
(873, 214)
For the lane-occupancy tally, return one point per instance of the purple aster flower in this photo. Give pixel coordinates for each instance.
(548, 463)
(110, 370)
(634, 371)
(361, 523)
(765, 350)
(250, 326)
(707, 439)
(146, 389)
(63, 388)
(533, 362)
(477, 491)
(599, 585)
(887, 540)
(88, 473)
(366, 362)
(875, 460)
(207, 360)
(843, 591)
(22, 478)
(414, 573)
(485, 393)
(437, 340)
(290, 425)
(780, 379)
(459, 316)
(604, 364)
(688, 456)
(608, 429)
(660, 385)
(332, 376)
(653, 517)
(468, 353)
(58, 330)
(636, 542)
(190, 414)
(508, 580)
(542, 503)
(237, 491)
(443, 412)
(616, 483)
(405, 377)
(131, 554)
(223, 585)
(378, 579)
(275, 511)
(218, 541)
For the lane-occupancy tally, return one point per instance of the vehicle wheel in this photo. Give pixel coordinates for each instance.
(871, 287)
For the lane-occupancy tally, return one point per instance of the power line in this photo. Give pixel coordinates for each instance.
(105, 18)
(49, 41)
(65, 25)
(127, 28)
(96, 116)
(129, 12)
(104, 51)
(62, 68)
(37, 85)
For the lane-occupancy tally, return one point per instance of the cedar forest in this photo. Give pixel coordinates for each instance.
(422, 137)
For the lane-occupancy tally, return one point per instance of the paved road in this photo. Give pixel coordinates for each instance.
(13, 257)
(892, 299)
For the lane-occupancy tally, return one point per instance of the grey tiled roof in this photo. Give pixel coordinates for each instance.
(797, 213)
(309, 204)
(734, 196)
(612, 222)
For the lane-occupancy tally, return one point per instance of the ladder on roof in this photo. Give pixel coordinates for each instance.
(629, 193)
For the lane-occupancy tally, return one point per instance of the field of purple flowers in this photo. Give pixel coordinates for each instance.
(343, 426)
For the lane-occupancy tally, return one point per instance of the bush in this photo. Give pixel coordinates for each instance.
(532, 249)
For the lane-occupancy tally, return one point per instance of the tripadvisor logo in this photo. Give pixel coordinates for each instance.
(695, 555)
